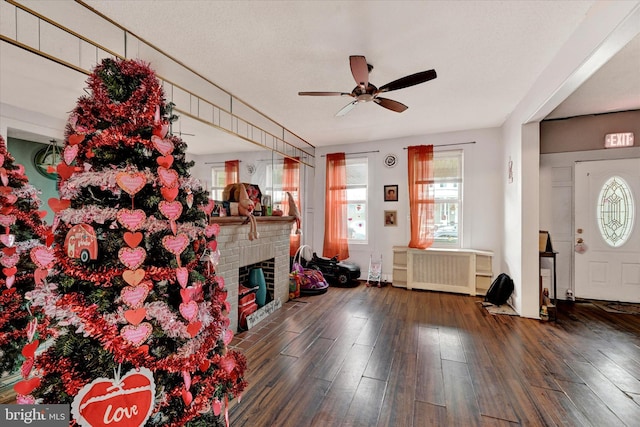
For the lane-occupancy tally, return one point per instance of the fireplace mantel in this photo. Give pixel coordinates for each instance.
(236, 250)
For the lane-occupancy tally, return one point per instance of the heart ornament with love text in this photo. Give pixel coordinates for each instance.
(182, 274)
(189, 310)
(132, 258)
(137, 334)
(43, 257)
(134, 296)
(121, 402)
(131, 182)
(7, 220)
(164, 146)
(131, 219)
(176, 244)
(171, 210)
(168, 177)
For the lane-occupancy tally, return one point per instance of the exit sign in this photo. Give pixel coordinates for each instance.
(618, 140)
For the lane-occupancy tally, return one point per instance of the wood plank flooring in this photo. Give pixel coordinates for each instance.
(389, 357)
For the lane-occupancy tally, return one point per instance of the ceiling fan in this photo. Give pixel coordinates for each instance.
(366, 92)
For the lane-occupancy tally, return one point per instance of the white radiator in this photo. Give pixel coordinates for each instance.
(450, 270)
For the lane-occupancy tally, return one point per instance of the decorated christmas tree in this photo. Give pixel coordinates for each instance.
(143, 317)
(21, 231)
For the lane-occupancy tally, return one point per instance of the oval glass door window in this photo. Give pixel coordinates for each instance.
(615, 211)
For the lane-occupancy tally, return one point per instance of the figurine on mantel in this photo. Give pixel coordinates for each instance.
(294, 212)
(246, 207)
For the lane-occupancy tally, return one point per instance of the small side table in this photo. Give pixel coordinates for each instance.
(552, 255)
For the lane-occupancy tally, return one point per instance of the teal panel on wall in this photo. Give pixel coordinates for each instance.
(24, 152)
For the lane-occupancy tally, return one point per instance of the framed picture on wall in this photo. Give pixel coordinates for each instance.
(390, 193)
(390, 218)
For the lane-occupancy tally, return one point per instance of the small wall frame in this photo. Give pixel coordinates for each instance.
(390, 193)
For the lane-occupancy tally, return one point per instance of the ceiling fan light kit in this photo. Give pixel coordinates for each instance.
(367, 92)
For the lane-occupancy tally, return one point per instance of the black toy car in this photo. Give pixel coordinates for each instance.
(334, 271)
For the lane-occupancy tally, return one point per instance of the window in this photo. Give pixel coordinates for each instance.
(357, 212)
(218, 182)
(274, 177)
(615, 211)
(447, 175)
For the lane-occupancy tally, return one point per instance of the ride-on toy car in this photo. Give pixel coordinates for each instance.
(334, 271)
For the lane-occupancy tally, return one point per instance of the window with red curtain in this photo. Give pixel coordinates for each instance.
(335, 215)
(421, 195)
(291, 183)
(232, 171)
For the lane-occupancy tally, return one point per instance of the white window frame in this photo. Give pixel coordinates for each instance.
(459, 154)
(365, 161)
(216, 192)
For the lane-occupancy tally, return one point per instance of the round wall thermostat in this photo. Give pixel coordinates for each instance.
(390, 160)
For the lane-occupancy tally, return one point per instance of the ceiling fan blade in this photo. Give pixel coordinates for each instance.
(390, 104)
(360, 70)
(413, 79)
(324, 94)
(347, 108)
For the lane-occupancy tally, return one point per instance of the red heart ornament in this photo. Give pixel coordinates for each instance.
(65, 171)
(204, 366)
(42, 214)
(227, 336)
(132, 239)
(25, 387)
(39, 275)
(131, 182)
(165, 161)
(134, 296)
(49, 239)
(58, 205)
(132, 258)
(189, 310)
(171, 210)
(9, 251)
(194, 328)
(133, 277)
(108, 403)
(75, 139)
(135, 315)
(213, 245)
(176, 244)
(168, 177)
(137, 334)
(164, 146)
(169, 194)
(29, 350)
(131, 219)
(10, 271)
(43, 257)
(69, 154)
(187, 397)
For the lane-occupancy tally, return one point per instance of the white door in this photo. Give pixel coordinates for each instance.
(607, 211)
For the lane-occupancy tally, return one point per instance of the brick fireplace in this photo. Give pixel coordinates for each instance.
(237, 251)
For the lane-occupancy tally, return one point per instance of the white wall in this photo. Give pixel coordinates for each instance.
(482, 197)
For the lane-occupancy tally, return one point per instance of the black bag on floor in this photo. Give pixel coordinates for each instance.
(500, 290)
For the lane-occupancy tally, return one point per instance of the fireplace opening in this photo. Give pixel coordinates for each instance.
(256, 289)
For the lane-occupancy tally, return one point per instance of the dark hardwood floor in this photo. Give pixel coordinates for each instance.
(391, 357)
